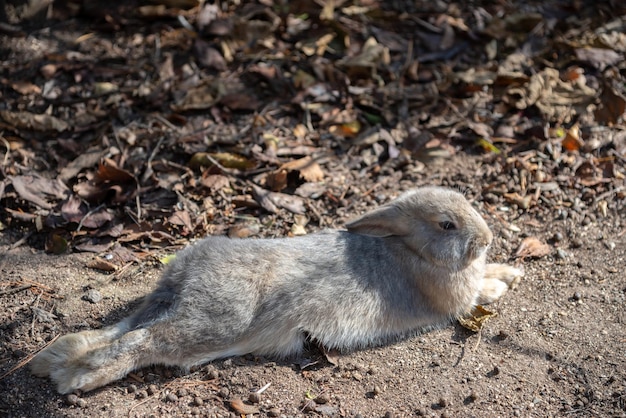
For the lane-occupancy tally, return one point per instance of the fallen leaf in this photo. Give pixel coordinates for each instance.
(612, 106)
(600, 58)
(332, 355)
(181, 218)
(225, 159)
(87, 159)
(309, 169)
(101, 264)
(271, 201)
(476, 320)
(73, 209)
(521, 201)
(165, 260)
(242, 408)
(37, 122)
(532, 247)
(39, 190)
(24, 87)
(244, 229)
(571, 141)
(214, 182)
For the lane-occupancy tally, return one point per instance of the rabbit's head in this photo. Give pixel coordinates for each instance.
(437, 224)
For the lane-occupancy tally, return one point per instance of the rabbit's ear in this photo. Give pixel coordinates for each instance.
(382, 222)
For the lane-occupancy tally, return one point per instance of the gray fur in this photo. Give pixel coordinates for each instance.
(393, 272)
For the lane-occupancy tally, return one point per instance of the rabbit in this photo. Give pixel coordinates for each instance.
(403, 268)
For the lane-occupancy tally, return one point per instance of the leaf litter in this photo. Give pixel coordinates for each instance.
(163, 122)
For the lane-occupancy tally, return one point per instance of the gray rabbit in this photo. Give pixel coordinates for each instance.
(407, 266)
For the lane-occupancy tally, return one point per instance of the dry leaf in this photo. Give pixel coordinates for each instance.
(571, 141)
(271, 201)
(242, 408)
(37, 122)
(477, 318)
(244, 229)
(214, 182)
(181, 218)
(24, 87)
(309, 169)
(332, 355)
(532, 247)
(100, 264)
(521, 201)
(225, 159)
(39, 190)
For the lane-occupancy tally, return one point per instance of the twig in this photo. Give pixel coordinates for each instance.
(608, 193)
(8, 147)
(91, 212)
(15, 289)
(264, 388)
(28, 359)
(221, 167)
(20, 241)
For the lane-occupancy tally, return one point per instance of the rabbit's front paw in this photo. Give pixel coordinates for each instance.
(499, 278)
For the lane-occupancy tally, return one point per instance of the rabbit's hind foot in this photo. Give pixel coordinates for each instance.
(499, 278)
(73, 346)
(103, 364)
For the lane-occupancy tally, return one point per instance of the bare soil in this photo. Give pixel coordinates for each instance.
(556, 347)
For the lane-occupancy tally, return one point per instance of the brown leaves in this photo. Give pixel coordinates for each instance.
(532, 247)
(306, 168)
(272, 201)
(477, 318)
(37, 122)
(39, 190)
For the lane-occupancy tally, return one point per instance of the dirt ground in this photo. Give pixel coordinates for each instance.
(556, 347)
(128, 129)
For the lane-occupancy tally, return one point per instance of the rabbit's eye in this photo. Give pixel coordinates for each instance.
(447, 225)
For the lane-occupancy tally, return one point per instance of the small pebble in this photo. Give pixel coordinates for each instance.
(357, 376)
(322, 399)
(576, 243)
(152, 389)
(557, 237)
(170, 397)
(81, 403)
(224, 393)
(472, 397)
(131, 388)
(443, 402)
(389, 415)
(273, 412)
(212, 373)
(377, 390)
(182, 392)
(254, 397)
(93, 296)
(142, 394)
(560, 254)
(72, 399)
(198, 401)
(578, 296)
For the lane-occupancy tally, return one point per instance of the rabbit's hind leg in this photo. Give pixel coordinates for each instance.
(105, 363)
(499, 278)
(73, 346)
